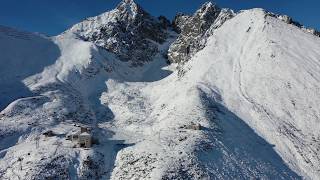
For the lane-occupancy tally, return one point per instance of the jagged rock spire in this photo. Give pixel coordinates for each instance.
(129, 7)
(202, 18)
(208, 7)
(193, 30)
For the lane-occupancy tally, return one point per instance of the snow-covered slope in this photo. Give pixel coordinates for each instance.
(22, 55)
(60, 90)
(252, 89)
(264, 75)
(62, 95)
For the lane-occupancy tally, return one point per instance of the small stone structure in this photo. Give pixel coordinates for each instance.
(73, 137)
(192, 125)
(85, 140)
(82, 137)
(49, 133)
(84, 129)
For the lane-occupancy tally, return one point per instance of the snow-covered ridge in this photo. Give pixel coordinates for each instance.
(289, 20)
(254, 68)
(196, 29)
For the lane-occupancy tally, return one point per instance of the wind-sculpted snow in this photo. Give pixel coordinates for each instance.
(243, 106)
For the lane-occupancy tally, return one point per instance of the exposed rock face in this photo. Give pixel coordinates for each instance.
(128, 31)
(179, 22)
(194, 30)
(285, 18)
(164, 22)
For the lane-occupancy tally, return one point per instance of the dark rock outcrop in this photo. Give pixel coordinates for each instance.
(128, 31)
(194, 31)
(179, 22)
(164, 22)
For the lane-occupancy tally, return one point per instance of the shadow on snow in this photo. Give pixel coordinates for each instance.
(235, 150)
(22, 55)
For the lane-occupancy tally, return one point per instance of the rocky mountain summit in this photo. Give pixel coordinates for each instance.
(128, 31)
(133, 34)
(194, 30)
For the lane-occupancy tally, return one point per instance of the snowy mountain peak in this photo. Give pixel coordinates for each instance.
(130, 8)
(206, 15)
(130, 3)
(194, 30)
(208, 7)
(208, 4)
(128, 31)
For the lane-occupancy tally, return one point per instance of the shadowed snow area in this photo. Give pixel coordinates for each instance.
(22, 55)
(236, 146)
(245, 106)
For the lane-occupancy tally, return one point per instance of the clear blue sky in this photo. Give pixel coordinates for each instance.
(52, 17)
